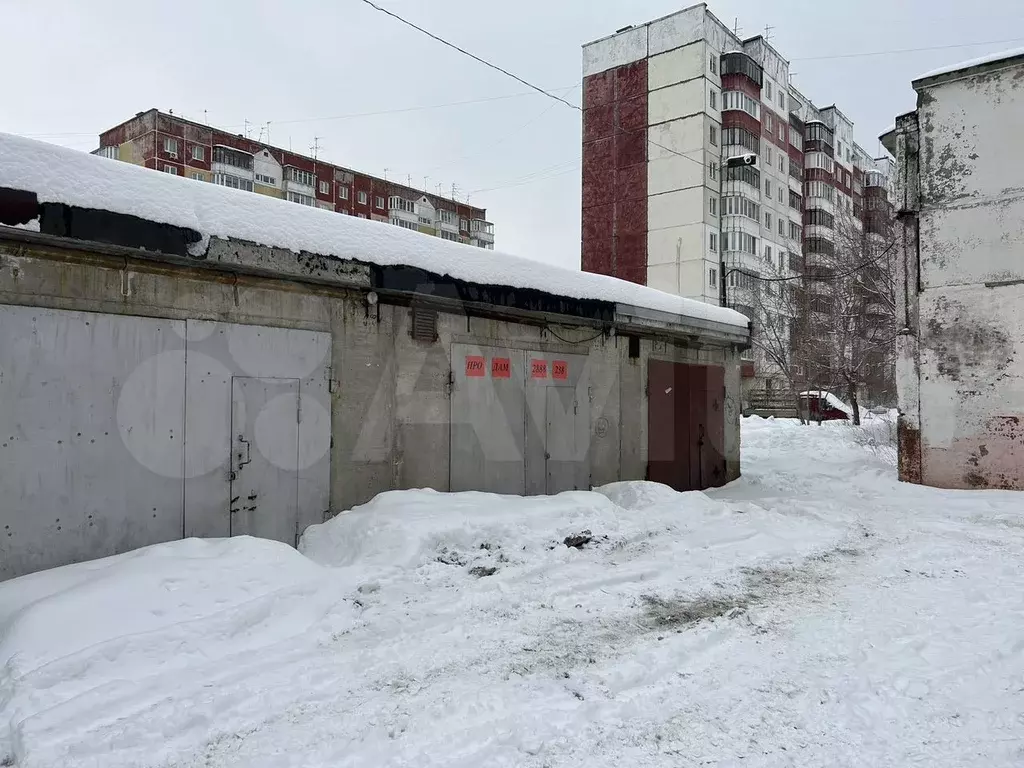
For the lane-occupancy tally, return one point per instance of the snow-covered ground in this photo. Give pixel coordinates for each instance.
(814, 613)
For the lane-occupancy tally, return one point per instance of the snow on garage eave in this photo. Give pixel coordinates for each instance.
(60, 175)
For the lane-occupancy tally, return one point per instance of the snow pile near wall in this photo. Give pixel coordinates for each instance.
(88, 634)
(816, 612)
(61, 175)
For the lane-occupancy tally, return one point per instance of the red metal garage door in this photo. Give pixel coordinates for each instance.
(686, 425)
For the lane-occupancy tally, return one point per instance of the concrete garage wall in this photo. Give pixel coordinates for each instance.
(960, 369)
(387, 394)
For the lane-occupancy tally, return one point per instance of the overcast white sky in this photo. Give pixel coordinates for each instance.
(75, 67)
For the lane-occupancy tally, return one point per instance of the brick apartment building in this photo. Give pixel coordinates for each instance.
(665, 105)
(171, 144)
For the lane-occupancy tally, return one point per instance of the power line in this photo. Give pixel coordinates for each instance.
(471, 55)
(905, 50)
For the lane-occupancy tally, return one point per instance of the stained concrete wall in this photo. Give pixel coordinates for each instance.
(960, 207)
(390, 404)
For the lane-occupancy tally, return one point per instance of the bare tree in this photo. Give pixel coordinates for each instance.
(849, 327)
(774, 308)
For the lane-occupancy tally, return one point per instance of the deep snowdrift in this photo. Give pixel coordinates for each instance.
(816, 612)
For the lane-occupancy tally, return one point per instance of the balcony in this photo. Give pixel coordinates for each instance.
(109, 152)
(739, 63)
(233, 162)
(482, 230)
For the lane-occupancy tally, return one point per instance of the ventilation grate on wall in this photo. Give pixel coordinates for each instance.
(423, 325)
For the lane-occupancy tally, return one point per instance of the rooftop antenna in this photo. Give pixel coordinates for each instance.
(454, 190)
(385, 174)
(261, 134)
(206, 119)
(768, 29)
(425, 183)
(736, 26)
(246, 124)
(409, 179)
(268, 131)
(315, 149)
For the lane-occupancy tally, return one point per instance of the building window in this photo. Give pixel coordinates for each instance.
(782, 98)
(713, 135)
(768, 187)
(196, 176)
(768, 88)
(362, 198)
(739, 241)
(235, 182)
(171, 147)
(713, 95)
(713, 277)
(713, 242)
(739, 100)
(713, 64)
(301, 177)
(782, 260)
(171, 170)
(479, 225)
(741, 206)
(768, 155)
(782, 131)
(819, 189)
(768, 220)
(795, 231)
(401, 204)
(713, 205)
(781, 194)
(198, 152)
(325, 187)
(745, 174)
(343, 192)
(464, 225)
(768, 122)
(232, 157)
(295, 197)
(446, 217)
(741, 137)
(262, 178)
(361, 215)
(782, 162)
(405, 224)
(768, 254)
(782, 227)
(713, 169)
(379, 202)
(446, 235)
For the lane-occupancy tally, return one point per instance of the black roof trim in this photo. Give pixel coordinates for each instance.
(419, 282)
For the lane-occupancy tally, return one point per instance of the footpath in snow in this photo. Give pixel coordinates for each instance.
(816, 612)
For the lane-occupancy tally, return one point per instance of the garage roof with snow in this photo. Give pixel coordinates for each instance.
(69, 177)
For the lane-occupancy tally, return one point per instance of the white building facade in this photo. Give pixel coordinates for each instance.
(666, 105)
(960, 209)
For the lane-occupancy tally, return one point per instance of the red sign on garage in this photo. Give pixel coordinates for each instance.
(539, 369)
(501, 368)
(559, 370)
(475, 366)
